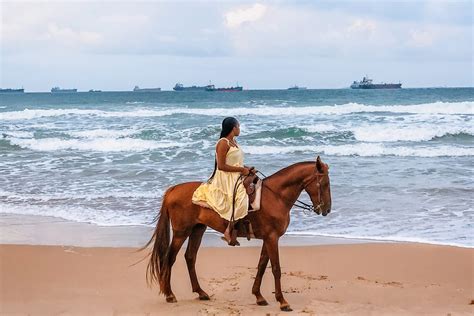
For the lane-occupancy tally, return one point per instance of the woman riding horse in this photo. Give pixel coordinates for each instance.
(218, 192)
(279, 193)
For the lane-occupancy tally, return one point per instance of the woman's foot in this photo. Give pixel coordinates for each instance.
(230, 242)
(230, 239)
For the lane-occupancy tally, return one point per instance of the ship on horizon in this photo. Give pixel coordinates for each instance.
(366, 83)
(8, 90)
(295, 87)
(59, 90)
(138, 89)
(181, 87)
(212, 88)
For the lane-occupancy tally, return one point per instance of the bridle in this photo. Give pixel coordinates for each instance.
(318, 177)
(305, 206)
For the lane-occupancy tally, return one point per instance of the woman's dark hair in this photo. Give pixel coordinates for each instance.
(228, 125)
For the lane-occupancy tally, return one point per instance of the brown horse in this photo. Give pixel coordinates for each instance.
(279, 193)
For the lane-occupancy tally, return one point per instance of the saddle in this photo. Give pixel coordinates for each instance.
(250, 185)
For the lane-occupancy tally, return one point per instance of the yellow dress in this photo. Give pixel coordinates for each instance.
(218, 194)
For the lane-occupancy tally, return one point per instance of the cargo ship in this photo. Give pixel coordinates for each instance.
(92, 90)
(12, 90)
(180, 87)
(212, 88)
(59, 90)
(366, 83)
(296, 88)
(138, 89)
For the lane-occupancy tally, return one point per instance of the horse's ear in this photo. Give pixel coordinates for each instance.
(319, 165)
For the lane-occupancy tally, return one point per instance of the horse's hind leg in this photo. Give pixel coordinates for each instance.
(191, 254)
(176, 243)
(262, 265)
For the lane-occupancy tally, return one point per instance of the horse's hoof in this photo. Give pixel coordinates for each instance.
(171, 299)
(262, 303)
(285, 308)
(204, 297)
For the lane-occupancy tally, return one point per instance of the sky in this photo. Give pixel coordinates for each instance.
(115, 45)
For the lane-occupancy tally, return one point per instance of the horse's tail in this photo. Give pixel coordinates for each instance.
(161, 241)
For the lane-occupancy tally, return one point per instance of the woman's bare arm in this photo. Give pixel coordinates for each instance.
(222, 148)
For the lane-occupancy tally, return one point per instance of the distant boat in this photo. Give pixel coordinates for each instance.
(366, 83)
(12, 90)
(92, 90)
(138, 89)
(180, 87)
(59, 90)
(212, 88)
(297, 88)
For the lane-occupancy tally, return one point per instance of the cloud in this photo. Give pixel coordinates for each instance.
(237, 17)
(66, 35)
(268, 41)
(308, 32)
(362, 26)
(421, 38)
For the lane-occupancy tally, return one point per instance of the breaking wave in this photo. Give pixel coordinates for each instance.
(98, 144)
(364, 150)
(348, 108)
(377, 133)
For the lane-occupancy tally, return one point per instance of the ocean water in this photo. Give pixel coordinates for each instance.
(401, 161)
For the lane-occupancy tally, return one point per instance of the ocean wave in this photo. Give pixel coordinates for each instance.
(348, 108)
(364, 150)
(390, 133)
(5, 195)
(320, 128)
(103, 133)
(17, 134)
(81, 214)
(382, 238)
(98, 144)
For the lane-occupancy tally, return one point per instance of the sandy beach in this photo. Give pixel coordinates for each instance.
(357, 279)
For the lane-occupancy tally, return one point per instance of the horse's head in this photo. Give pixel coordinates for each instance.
(318, 188)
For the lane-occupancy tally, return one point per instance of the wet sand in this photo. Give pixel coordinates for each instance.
(356, 279)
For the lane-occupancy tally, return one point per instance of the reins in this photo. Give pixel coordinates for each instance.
(298, 203)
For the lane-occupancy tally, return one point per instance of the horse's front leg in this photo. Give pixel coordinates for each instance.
(262, 265)
(271, 244)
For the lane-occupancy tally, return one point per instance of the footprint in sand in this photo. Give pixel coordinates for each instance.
(300, 274)
(391, 283)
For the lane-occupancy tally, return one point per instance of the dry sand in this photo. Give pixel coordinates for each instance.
(358, 279)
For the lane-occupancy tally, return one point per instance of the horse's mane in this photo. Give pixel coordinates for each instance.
(285, 170)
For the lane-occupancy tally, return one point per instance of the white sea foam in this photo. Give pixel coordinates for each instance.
(363, 149)
(319, 128)
(393, 133)
(428, 108)
(6, 195)
(103, 133)
(18, 134)
(384, 238)
(97, 144)
(79, 214)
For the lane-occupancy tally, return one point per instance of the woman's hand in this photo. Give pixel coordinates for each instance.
(245, 171)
